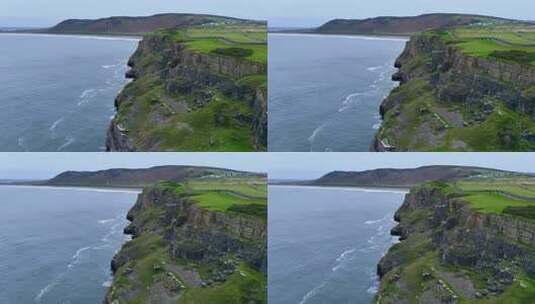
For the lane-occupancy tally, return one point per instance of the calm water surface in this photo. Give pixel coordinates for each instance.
(58, 91)
(56, 244)
(325, 91)
(325, 243)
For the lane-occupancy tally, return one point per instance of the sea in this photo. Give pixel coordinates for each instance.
(325, 90)
(325, 243)
(56, 244)
(57, 91)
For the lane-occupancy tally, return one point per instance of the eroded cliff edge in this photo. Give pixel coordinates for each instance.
(183, 99)
(455, 97)
(451, 253)
(184, 253)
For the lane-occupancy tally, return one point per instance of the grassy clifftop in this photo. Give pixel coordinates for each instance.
(200, 88)
(463, 89)
(471, 241)
(200, 241)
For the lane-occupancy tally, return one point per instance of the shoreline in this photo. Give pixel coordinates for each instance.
(386, 189)
(78, 36)
(347, 36)
(78, 188)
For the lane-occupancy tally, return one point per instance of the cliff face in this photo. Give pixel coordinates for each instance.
(450, 253)
(182, 253)
(449, 100)
(180, 99)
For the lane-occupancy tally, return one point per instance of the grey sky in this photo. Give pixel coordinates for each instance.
(279, 12)
(49, 12)
(311, 12)
(278, 165)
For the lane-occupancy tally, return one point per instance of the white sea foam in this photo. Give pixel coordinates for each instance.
(344, 254)
(109, 66)
(55, 124)
(113, 230)
(315, 133)
(69, 140)
(373, 289)
(21, 142)
(312, 293)
(374, 68)
(106, 221)
(371, 222)
(342, 257)
(74, 36)
(350, 100)
(44, 291)
(133, 191)
(107, 284)
(77, 255)
(87, 93)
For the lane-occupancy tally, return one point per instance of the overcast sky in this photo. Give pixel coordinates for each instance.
(279, 12)
(278, 165)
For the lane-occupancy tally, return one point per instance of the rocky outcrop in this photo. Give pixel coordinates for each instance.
(452, 90)
(444, 240)
(117, 139)
(218, 242)
(187, 81)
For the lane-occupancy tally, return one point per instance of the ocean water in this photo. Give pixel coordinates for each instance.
(57, 92)
(325, 243)
(56, 245)
(325, 91)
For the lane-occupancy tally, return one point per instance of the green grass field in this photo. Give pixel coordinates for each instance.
(507, 195)
(213, 39)
(513, 43)
(237, 195)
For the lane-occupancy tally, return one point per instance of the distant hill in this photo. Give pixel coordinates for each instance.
(403, 177)
(137, 177)
(137, 25)
(402, 25)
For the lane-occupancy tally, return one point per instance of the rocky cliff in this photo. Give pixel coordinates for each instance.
(187, 100)
(451, 253)
(182, 253)
(451, 100)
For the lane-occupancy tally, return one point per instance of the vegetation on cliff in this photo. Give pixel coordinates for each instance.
(197, 88)
(199, 241)
(404, 178)
(139, 178)
(463, 89)
(121, 25)
(469, 241)
(389, 25)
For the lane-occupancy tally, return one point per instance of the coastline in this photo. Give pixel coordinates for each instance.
(121, 37)
(387, 189)
(133, 190)
(348, 36)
